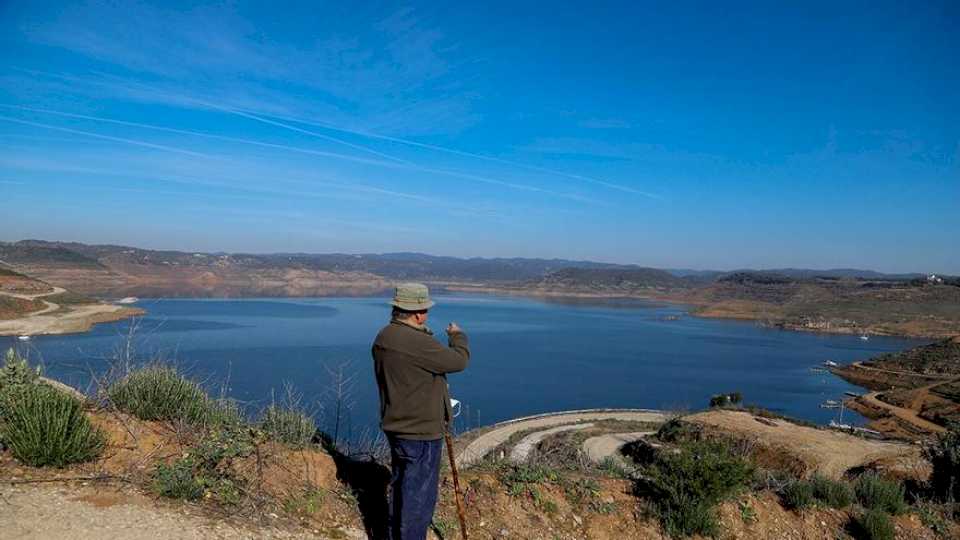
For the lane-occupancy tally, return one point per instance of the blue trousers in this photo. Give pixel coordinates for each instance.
(414, 481)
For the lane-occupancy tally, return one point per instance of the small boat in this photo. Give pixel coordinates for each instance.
(830, 404)
(837, 425)
(830, 363)
(852, 394)
(24, 338)
(865, 338)
(128, 300)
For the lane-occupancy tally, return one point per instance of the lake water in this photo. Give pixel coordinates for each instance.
(528, 356)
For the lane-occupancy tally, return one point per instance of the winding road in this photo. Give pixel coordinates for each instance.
(50, 306)
(501, 433)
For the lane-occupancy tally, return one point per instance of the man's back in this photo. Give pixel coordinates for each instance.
(411, 367)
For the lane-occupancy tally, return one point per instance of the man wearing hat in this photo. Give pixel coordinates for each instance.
(411, 369)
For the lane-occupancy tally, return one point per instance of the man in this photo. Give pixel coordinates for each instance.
(411, 369)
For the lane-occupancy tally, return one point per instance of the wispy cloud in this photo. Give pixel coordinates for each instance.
(395, 163)
(605, 123)
(380, 73)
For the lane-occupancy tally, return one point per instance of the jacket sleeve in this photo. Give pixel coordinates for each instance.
(436, 358)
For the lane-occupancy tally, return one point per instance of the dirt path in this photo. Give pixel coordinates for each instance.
(859, 365)
(521, 451)
(500, 433)
(50, 306)
(602, 447)
(43, 511)
(907, 415)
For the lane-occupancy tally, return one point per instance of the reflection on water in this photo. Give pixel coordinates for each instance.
(528, 356)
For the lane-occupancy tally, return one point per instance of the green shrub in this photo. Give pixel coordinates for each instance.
(874, 525)
(45, 427)
(676, 430)
(684, 517)
(288, 426)
(178, 480)
(935, 517)
(832, 493)
(944, 455)
(206, 468)
(16, 371)
(686, 486)
(161, 393)
(726, 400)
(876, 493)
(799, 495)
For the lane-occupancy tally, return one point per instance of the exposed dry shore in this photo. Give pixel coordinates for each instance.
(56, 319)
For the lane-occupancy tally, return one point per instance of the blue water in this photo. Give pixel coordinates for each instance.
(528, 356)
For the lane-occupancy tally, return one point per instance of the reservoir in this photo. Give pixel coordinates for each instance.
(528, 356)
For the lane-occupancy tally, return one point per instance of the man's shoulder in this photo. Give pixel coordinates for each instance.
(394, 332)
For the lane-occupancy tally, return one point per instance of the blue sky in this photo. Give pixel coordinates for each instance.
(674, 134)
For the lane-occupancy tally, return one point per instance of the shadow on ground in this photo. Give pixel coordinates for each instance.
(368, 481)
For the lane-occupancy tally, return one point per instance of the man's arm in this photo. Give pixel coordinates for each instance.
(436, 358)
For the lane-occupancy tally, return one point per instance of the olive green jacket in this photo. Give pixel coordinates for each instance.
(411, 369)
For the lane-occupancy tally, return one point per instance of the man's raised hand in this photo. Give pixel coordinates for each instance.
(452, 328)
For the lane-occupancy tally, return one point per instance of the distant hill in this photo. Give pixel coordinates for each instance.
(611, 279)
(28, 252)
(113, 270)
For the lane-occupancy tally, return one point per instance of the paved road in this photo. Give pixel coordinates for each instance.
(482, 445)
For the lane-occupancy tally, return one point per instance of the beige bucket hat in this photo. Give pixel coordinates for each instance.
(412, 297)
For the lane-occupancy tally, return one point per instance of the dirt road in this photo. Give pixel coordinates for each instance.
(500, 433)
(860, 365)
(602, 447)
(907, 415)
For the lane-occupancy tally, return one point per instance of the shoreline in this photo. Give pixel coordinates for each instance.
(708, 310)
(75, 320)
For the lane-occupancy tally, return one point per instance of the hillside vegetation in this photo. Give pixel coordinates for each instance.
(151, 431)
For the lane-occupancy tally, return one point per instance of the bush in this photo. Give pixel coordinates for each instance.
(288, 426)
(876, 493)
(819, 490)
(177, 480)
(676, 431)
(726, 400)
(944, 455)
(16, 371)
(874, 525)
(206, 468)
(44, 427)
(686, 486)
(160, 393)
(832, 493)
(685, 517)
(799, 495)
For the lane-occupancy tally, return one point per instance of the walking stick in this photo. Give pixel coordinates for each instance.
(456, 485)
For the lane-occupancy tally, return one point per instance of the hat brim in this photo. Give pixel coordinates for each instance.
(410, 306)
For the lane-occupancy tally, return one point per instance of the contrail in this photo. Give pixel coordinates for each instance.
(355, 187)
(261, 117)
(106, 137)
(454, 151)
(407, 165)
